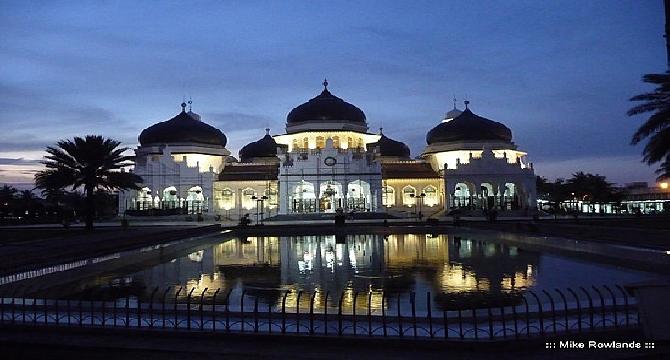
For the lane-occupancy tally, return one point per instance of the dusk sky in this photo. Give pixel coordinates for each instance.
(558, 73)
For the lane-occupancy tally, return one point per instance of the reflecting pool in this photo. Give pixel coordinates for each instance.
(332, 269)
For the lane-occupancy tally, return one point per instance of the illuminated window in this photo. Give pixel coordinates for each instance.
(305, 143)
(320, 142)
(388, 196)
(271, 202)
(350, 143)
(408, 193)
(431, 198)
(336, 142)
(247, 201)
(295, 145)
(227, 199)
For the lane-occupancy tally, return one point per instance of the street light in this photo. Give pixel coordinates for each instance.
(418, 199)
(261, 200)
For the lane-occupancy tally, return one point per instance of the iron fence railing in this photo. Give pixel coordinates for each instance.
(538, 314)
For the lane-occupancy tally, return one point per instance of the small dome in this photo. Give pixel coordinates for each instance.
(469, 127)
(391, 148)
(183, 128)
(452, 114)
(324, 108)
(265, 147)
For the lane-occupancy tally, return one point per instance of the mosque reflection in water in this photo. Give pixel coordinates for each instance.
(360, 264)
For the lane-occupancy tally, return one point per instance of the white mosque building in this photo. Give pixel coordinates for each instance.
(326, 161)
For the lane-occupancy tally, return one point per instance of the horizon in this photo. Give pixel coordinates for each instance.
(560, 79)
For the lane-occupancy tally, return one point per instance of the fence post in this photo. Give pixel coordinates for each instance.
(602, 304)
(502, 318)
(214, 309)
(579, 311)
(384, 314)
(244, 291)
(515, 319)
(525, 302)
(283, 312)
(163, 304)
(176, 319)
(188, 308)
(201, 309)
(127, 310)
(616, 318)
(297, 313)
(369, 312)
(540, 311)
(227, 310)
(311, 313)
(255, 314)
(325, 314)
(339, 315)
(400, 330)
(430, 314)
(413, 300)
(565, 309)
(590, 307)
(474, 321)
(151, 307)
(553, 309)
(353, 308)
(489, 313)
(461, 334)
(625, 303)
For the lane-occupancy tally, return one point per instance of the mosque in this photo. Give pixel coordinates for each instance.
(328, 160)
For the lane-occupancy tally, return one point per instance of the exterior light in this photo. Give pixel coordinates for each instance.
(664, 185)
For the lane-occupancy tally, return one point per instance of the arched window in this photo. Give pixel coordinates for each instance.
(227, 199)
(247, 201)
(432, 197)
(350, 143)
(305, 143)
(388, 196)
(295, 145)
(408, 194)
(336, 142)
(320, 142)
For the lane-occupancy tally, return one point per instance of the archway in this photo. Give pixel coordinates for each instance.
(432, 198)
(358, 196)
(330, 196)
(388, 196)
(303, 199)
(511, 197)
(488, 193)
(195, 200)
(170, 198)
(144, 199)
(462, 195)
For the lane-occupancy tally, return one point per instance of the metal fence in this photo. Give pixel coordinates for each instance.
(538, 314)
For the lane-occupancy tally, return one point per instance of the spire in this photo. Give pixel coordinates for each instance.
(380, 131)
(267, 131)
(454, 102)
(190, 104)
(183, 107)
(466, 102)
(325, 84)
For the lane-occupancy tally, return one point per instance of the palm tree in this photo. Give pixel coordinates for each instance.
(90, 163)
(657, 126)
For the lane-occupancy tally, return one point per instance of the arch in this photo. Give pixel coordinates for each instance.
(488, 195)
(305, 143)
(350, 142)
(247, 201)
(144, 199)
(195, 200)
(303, 198)
(462, 195)
(294, 145)
(227, 199)
(330, 196)
(408, 195)
(432, 198)
(336, 141)
(388, 196)
(358, 195)
(510, 196)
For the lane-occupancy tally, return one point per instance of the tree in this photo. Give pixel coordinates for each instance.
(657, 127)
(90, 163)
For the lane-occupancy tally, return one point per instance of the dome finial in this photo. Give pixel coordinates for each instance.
(381, 132)
(190, 104)
(325, 84)
(267, 131)
(183, 106)
(466, 102)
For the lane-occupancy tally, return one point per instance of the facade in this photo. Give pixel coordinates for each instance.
(328, 161)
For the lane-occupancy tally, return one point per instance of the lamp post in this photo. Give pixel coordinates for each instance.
(418, 199)
(261, 200)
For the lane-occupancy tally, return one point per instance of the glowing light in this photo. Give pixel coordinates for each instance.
(664, 185)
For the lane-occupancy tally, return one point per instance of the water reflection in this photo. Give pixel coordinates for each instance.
(360, 264)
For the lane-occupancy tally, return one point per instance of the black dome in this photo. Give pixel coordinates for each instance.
(182, 129)
(265, 147)
(390, 147)
(469, 127)
(326, 107)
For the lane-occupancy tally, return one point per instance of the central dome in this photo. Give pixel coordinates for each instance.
(326, 111)
(183, 128)
(469, 127)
